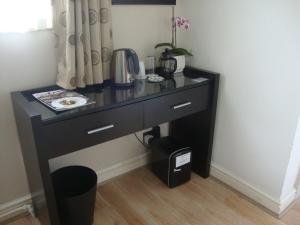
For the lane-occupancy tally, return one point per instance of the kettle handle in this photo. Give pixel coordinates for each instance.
(133, 58)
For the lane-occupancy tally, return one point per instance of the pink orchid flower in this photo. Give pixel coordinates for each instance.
(182, 22)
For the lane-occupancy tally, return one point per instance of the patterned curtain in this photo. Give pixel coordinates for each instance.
(84, 40)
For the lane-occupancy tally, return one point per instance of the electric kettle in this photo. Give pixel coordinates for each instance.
(124, 66)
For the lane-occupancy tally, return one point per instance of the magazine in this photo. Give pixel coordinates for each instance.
(62, 100)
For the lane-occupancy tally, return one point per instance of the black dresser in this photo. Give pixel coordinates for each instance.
(188, 102)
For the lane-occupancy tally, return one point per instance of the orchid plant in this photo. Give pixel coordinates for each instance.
(178, 22)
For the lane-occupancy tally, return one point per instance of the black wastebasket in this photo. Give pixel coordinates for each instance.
(75, 191)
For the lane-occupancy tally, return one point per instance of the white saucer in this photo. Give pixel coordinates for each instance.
(68, 102)
(154, 78)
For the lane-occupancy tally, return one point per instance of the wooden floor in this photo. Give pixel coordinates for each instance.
(139, 198)
(293, 215)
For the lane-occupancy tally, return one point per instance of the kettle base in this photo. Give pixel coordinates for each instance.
(123, 86)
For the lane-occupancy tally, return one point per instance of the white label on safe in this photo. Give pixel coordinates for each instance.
(183, 159)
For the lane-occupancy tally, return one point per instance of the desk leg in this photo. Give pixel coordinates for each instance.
(51, 207)
(43, 198)
(37, 167)
(195, 130)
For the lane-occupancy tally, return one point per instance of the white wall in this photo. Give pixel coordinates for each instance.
(255, 46)
(292, 173)
(28, 61)
(298, 186)
(141, 27)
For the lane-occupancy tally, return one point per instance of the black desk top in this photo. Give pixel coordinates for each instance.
(107, 97)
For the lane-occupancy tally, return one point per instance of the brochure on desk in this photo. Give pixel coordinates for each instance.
(62, 100)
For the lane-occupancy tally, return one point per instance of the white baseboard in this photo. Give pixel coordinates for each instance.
(122, 167)
(20, 206)
(276, 206)
(287, 202)
(15, 208)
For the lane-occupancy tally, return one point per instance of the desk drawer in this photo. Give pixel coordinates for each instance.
(174, 106)
(74, 134)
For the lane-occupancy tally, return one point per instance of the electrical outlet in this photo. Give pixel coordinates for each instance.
(149, 136)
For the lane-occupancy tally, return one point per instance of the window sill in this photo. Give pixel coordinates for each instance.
(27, 32)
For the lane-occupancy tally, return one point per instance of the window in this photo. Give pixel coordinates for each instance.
(25, 15)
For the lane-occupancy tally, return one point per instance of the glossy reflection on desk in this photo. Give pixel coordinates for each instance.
(108, 96)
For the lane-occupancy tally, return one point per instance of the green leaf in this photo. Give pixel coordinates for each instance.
(181, 51)
(165, 45)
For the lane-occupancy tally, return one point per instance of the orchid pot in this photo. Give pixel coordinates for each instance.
(180, 63)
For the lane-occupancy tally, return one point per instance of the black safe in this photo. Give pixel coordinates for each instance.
(171, 161)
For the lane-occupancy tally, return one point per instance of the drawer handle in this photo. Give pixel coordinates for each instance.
(182, 105)
(101, 129)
